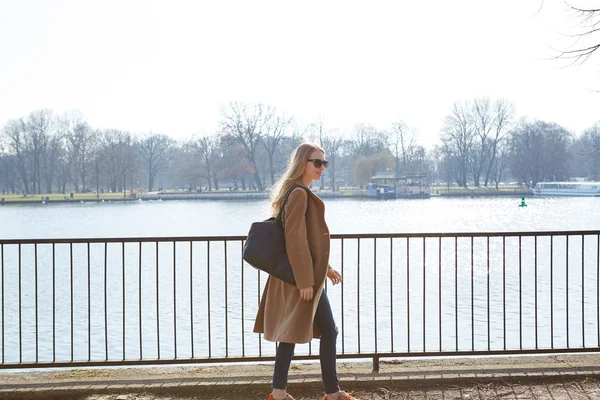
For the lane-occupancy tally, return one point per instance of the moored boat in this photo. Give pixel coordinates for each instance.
(580, 189)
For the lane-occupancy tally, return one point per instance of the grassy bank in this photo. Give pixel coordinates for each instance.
(60, 197)
(442, 191)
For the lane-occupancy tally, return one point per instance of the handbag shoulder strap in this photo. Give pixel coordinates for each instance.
(285, 199)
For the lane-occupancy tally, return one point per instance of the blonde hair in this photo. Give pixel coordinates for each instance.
(293, 173)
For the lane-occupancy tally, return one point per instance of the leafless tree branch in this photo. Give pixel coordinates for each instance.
(589, 23)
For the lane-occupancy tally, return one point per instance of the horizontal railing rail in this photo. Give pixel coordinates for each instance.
(177, 300)
(333, 236)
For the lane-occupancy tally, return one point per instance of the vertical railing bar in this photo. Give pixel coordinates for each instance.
(242, 291)
(440, 291)
(20, 312)
(358, 292)
(375, 288)
(567, 286)
(342, 302)
(424, 289)
(123, 283)
(105, 301)
(192, 299)
(157, 306)
(71, 287)
(582, 290)
(456, 291)
(504, 290)
(520, 298)
(598, 287)
(140, 298)
(175, 297)
(53, 303)
(472, 299)
(551, 291)
(391, 294)
(258, 297)
(37, 322)
(2, 266)
(408, 293)
(89, 302)
(535, 305)
(488, 292)
(226, 306)
(208, 296)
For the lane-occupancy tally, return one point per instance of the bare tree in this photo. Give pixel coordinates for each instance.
(483, 121)
(333, 144)
(119, 157)
(275, 129)
(500, 162)
(50, 160)
(539, 151)
(586, 153)
(155, 152)
(586, 41)
(208, 149)
(15, 134)
(294, 140)
(592, 139)
(8, 175)
(97, 160)
(316, 133)
(79, 137)
(4, 170)
(368, 140)
(235, 165)
(458, 136)
(38, 126)
(246, 123)
(503, 114)
(126, 160)
(402, 145)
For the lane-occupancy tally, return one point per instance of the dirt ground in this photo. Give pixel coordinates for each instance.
(572, 390)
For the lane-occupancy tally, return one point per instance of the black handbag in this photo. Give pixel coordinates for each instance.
(265, 246)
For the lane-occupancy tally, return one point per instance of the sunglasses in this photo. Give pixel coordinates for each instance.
(319, 163)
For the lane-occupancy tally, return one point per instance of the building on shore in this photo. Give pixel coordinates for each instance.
(385, 185)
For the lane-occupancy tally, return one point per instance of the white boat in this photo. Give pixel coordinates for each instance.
(584, 189)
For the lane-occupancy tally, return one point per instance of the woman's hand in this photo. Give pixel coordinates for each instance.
(334, 276)
(306, 294)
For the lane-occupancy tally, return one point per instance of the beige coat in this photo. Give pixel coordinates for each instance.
(282, 315)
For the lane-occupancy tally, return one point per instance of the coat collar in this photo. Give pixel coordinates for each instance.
(316, 199)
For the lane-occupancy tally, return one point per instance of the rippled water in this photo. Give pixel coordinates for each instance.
(197, 218)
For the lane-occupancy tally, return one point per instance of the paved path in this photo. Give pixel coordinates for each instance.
(572, 390)
(539, 377)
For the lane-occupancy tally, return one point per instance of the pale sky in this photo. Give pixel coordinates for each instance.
(168, 66)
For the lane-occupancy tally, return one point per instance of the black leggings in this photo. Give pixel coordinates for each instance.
(327, 350)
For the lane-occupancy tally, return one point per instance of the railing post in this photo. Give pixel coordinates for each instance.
(375, 365)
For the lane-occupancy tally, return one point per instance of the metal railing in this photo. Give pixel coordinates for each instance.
(176, 300)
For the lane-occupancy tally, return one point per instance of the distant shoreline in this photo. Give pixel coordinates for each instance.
(251, 196)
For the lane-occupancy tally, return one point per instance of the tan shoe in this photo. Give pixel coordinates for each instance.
(342, 396)
(287, 397)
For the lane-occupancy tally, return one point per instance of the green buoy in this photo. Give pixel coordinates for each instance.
(523, 202)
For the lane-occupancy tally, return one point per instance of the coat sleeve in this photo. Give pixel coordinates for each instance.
(296, 239)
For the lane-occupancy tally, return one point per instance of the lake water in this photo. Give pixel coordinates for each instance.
(118, 313)
(198, 218)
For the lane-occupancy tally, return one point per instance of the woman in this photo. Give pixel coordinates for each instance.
(296, 314)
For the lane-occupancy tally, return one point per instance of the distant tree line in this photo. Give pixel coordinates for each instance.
(481, 143)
